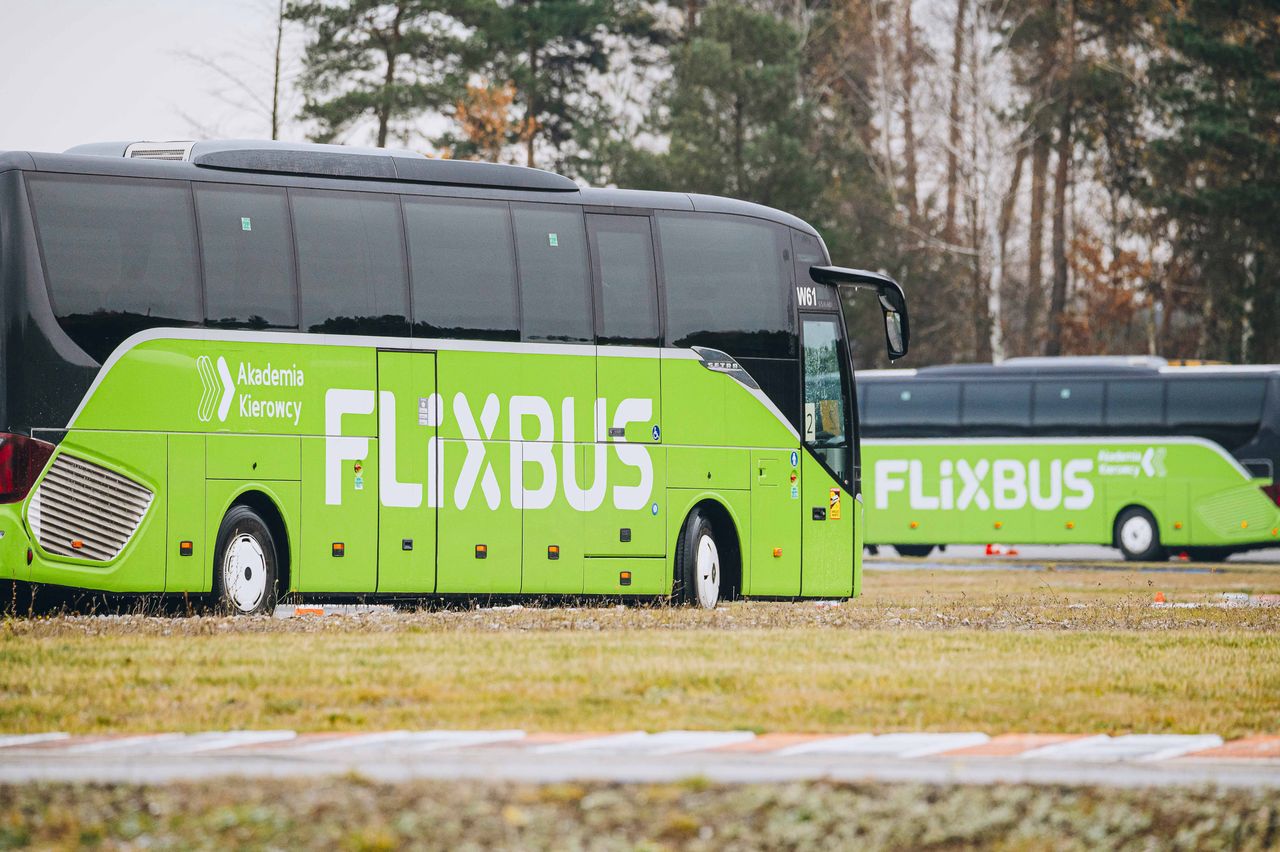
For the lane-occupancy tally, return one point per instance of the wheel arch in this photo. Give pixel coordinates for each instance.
(723, 517)
(268, 508)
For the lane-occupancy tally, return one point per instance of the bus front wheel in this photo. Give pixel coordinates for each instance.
(244, 564)
(1138, 536)
(915, 551)
(698, 563)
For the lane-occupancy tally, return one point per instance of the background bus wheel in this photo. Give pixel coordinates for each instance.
(244, 564)
(1138, 536)
(918, 551)
(697, 568)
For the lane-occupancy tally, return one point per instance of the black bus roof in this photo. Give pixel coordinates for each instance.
(1075, 367)
(372, 169)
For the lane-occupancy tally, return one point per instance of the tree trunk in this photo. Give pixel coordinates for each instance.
(388, 83)
(1035, 242)
(953, 123)
(1066, 149)
(690, 18)
(275, 74)
(531, 101)
(1058, 296)
(908, 117)
(1001, 286)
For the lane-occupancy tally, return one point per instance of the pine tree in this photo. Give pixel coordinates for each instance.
(548, 51)
(381, 62)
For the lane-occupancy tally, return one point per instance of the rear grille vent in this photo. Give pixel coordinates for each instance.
(80, 503)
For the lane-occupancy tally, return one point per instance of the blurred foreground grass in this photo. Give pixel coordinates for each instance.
(990, 651)
(347, 813)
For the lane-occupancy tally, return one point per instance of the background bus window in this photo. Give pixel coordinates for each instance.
(120, 256)
(248, 256)
(728, 284)
(463, 269)
(622, 252)
(351, 270)
(1221, 409)
(910, 409)
(555, 300)
(1068, 406)
(1135, 406)
(996, 408)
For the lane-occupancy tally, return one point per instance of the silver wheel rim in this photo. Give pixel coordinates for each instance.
(707, 572)
(244, 573)
(1137, 535)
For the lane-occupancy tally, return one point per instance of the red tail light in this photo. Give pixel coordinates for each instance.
(21, 460)
(1272, 491)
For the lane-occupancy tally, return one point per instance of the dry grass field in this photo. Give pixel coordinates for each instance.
(357, 815)
(992, 651)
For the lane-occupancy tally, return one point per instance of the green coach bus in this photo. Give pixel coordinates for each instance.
(1124, 452)
(244, 369)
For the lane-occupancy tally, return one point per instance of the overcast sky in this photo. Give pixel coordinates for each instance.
(74, 71)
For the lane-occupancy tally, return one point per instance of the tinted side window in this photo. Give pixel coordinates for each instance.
(248, 256)
(551, 245)
(728, 284)
(996, 407)
(463, 268)
(120, 256)
(909, 408)
(1068, 404)
(622, 261)
(1220, 401)
(1135, 405)
(351, 269)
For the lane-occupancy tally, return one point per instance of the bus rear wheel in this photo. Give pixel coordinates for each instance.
(1138, 536)
(244, 564)
(915, 551)
(698, 563)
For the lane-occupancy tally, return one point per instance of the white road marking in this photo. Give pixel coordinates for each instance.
(139, 744)
(353, 741)
(663, 743)
(1130, 747)
(440, 740)
(901, 746)
(19, 740)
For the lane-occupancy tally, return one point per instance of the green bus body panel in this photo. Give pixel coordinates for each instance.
(185, 498)
(828, 541)
(599, 452)
(258, 457)
(406, 418)
(1060, 491)
(775, 533)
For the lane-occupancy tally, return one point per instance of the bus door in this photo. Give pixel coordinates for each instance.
(828, 514)
(409, 410)
(631, 519)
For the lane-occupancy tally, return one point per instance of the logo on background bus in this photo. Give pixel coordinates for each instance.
(1010, 483)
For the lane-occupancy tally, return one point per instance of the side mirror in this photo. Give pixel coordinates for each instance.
(897, 323)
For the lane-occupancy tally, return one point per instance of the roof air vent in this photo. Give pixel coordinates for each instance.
(159, 151)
